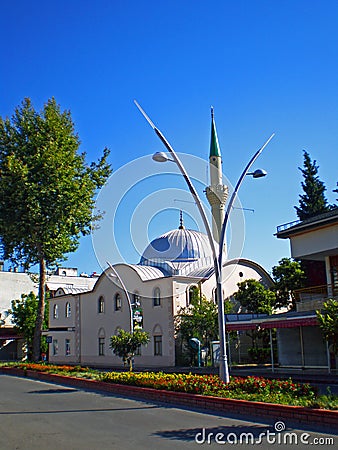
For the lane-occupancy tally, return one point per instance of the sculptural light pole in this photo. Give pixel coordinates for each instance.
(217, 255)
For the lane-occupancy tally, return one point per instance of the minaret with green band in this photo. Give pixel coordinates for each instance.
(217, 192)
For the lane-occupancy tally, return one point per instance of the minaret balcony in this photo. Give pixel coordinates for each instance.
(217, 194)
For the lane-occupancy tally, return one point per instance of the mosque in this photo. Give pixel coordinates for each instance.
(171, 268)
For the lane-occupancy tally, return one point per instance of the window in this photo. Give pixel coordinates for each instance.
(118, 302)
(68, 310)
(157, 345)
(136, 300)
(101, 346)
(157, 297)
(55, 347)
(193, 294)
(100, 305)
(56, 311)
(67, 347)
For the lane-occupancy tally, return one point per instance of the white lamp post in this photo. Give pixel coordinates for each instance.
(217, 256)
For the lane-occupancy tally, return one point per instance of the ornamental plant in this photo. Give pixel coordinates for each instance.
(249, 388)
(125, 344)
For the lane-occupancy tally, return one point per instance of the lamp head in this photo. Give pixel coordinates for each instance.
(160, 157)
(259, 173)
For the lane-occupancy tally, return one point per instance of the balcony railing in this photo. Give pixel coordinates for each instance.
(322, 292)
(313, 297)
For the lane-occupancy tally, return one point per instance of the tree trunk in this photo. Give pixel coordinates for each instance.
(40, 311)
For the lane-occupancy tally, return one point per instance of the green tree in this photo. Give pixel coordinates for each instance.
(198, 320)
(313, 201)
(288, 276)
(24, 314)
(254, 297)
(328, 323)
(336, 191)
(46, 191)
(125, 344)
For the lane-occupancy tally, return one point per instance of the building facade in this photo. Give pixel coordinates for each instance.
(170, 269)
(315, 242)
(81, 324)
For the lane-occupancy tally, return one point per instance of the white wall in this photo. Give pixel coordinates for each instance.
(313, 242)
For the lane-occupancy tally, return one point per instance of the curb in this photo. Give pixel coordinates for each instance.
(322, 419)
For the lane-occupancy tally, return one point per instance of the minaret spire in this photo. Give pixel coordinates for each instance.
(217, 192)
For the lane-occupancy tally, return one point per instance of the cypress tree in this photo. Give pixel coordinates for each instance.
(313, 201)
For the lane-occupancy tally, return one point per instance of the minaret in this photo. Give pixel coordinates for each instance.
(217, 192)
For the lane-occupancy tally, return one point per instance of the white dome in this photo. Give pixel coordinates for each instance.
(178, 246)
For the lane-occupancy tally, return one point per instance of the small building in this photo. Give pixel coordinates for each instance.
(315, 242)
(13, 284)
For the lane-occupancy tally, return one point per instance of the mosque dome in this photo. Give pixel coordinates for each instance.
(178, 246)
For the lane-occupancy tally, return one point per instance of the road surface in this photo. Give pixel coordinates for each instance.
(45, 416)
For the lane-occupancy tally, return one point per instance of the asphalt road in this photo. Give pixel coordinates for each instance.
(46, 416)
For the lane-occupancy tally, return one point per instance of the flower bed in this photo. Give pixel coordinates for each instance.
(283, 392)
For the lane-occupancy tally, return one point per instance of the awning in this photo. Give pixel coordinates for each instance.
(273, 323)
(235, 326)
(291, 323)
(8, 337)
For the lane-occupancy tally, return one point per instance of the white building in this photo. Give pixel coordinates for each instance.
(81, 324)
(13, 284)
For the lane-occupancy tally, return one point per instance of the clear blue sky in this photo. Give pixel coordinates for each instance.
(266, 66)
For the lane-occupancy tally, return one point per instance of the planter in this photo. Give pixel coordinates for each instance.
(322, 419)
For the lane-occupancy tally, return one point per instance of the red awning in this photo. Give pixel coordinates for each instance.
(291, 323)
(235, 326)
(281, 323)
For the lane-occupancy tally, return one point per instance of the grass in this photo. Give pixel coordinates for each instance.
(251, 388)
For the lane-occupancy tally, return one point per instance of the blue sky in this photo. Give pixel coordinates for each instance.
(266, 66)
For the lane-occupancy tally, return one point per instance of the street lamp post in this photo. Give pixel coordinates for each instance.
(217, 256)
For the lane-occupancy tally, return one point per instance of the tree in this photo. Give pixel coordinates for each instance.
(46, 191)
(198, 320)
(328, 323)
(313, 201)
(125, 344)
(24, 314)
(254, 297)
(336, 191)
(288, 276)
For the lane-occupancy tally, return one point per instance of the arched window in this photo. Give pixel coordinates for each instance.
(100, 305)
(101, 341)
(157, 340)
(192, 294)
(136, 300)
(68, 310)
(157, 297)
(118, 302)
(214, 296)
(56, 311)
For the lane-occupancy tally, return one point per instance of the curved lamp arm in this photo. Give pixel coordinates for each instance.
(232, 199)
(189, 183)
